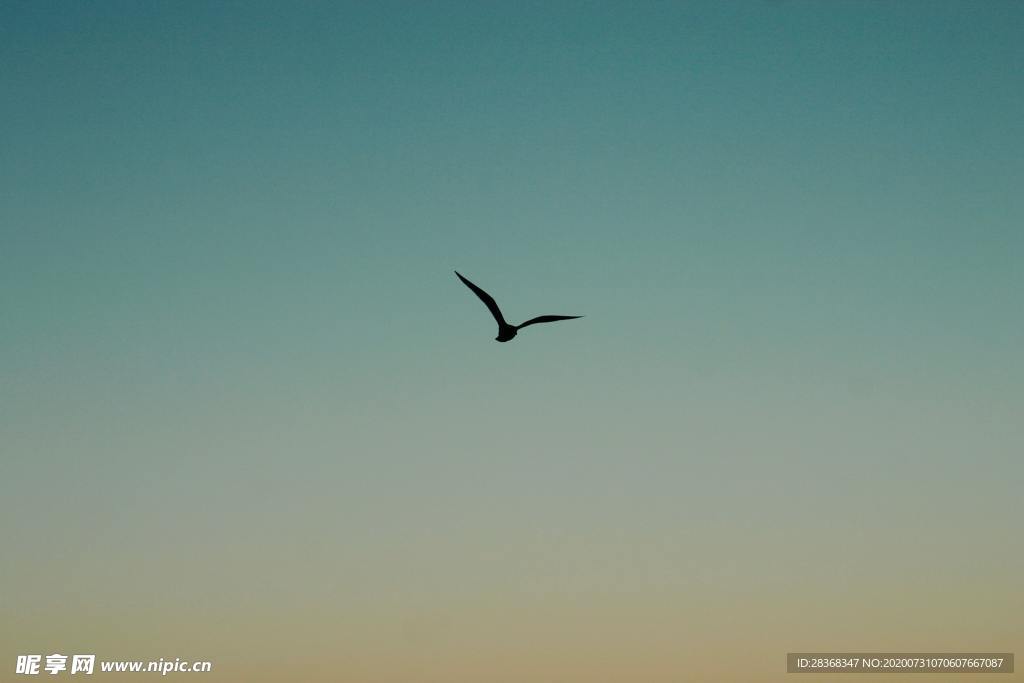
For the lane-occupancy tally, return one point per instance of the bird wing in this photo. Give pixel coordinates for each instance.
(547, 319)
(486, 298)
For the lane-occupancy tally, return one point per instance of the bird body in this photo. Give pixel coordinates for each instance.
(507, 332)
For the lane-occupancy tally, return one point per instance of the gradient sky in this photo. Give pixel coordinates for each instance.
(248, 414)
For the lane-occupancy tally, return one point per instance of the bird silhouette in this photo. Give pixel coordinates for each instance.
(507, 332)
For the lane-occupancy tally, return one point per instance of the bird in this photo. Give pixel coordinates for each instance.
(508, 332)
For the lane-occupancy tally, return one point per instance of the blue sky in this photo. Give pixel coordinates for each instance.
(228, 235)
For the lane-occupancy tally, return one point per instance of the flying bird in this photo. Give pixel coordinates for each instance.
(507, 332)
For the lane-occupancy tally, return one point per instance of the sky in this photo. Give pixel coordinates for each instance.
(249, 415)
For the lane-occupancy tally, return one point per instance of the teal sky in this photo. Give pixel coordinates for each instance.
(230, 324)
